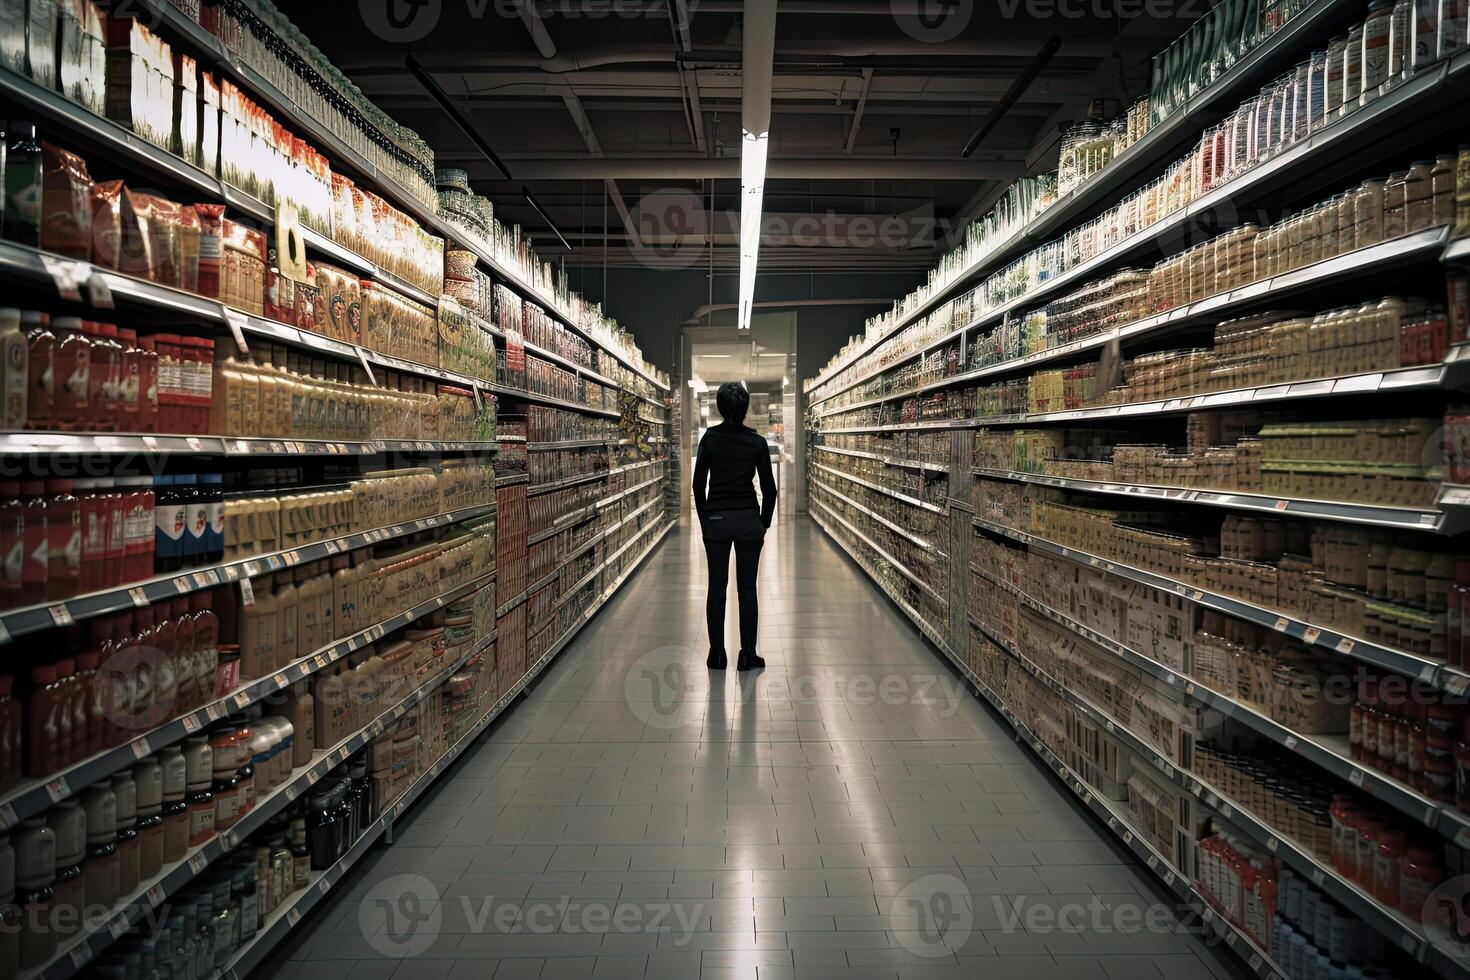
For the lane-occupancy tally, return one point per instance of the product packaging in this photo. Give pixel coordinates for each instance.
(66, 204)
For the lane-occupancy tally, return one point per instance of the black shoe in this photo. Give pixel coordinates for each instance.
(717, 660)
(749, 661)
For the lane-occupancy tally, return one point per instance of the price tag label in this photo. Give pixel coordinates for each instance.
(191, 724)
(138, 596)
(117, 926)
(1291, 741)
(241, 700)
(150, 443)
(1255, 962)
(58, 789)
(1311, 634)
(312, 775)
(64, 276)
(1225, 810)
(194, 443)
(1345, 645)
(197, 862)
(323, 886)
(99, 292)
(293, 917)
(141, 749)
(4, 633)
(320, 661)
(61, 615)
(1280, 624)
(1169, 878)
(79, 955)
(1230, 938)
(183, 585)
(1171, 680)
(1356, 777)
(205, 579)
(1271, 844)
(1318, 877)
(214, 712)
(247, 593)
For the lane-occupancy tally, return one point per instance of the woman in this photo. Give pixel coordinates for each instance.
(730, 455)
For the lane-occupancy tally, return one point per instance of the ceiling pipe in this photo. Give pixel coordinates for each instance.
(1013, 94)
(789, 304)
(758, 46)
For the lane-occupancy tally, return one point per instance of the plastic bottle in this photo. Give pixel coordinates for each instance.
(73, 409)
(138, 527)
(94, 511)
(41, 354)
(102, 868)
(69, 824)
(206, 643)
(169, 523)
(64, 541)
(186, 490)
(200, 762)
(212, 492)
(129, 856)
(1419, 874)
(130, 383)
(175, 804)
(15, 374)
(88, 721)
(12, 543)
(36, 561)
(113, 408)
(117, 518)
(35, 879)
(148, 778)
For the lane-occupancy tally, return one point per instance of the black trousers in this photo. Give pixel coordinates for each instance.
(743, 531)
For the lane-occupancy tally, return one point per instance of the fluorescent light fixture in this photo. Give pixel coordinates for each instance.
(753, 150)
(714, 357)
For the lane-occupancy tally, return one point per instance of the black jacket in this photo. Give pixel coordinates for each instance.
(729, 458)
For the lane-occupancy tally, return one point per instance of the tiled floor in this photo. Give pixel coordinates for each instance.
(851, 813)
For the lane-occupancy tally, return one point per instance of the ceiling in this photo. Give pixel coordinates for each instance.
(623, 116)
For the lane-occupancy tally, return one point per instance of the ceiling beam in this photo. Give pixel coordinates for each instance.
(679, 17)
(857, 116)
(693, 111)
(777, 168)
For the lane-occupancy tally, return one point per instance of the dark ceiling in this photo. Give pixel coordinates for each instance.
(608, 107)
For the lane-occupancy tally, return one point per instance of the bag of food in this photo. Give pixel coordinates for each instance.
(211, 247)
(135, 256)
(107, 223)
(66, 204)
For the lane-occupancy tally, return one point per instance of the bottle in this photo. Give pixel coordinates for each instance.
(71, 382)
(186, 491)
(130, 382)
(102, 869)
(213, 536)
(138, 527)
(36, 561)
(129, 853)
(116, 531)
(148, 778)
(169, 523)
(108, 381)
(300, 853)
(206, 642)
(44, 708)
(243, 892)
(200, 762)
(69, 824)
(95, 512)
(147, 385)
(175, 804)
(15, 374)
(64, 541)
(21, 220)
(35, 879)
(41, 352)
(1376, 48)
(12, 543)
(226, 923)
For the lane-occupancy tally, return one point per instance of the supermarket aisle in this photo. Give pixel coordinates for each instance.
(851, 813)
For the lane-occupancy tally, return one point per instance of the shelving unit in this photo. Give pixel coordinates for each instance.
(618, 525)
(901, 409)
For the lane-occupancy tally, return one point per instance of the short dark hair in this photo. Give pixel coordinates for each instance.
(733, 402)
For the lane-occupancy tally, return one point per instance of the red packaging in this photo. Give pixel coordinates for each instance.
(170, 383)
(211, 247)
(64, 540)
(117, 517)
(105, 370)
(147, 385)
(137, 493)
(66, 204)
(137, 242)
(198, 359)
(12, 543)
(107, 223)
(280, 294)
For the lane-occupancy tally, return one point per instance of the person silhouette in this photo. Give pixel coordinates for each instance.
(730, 456)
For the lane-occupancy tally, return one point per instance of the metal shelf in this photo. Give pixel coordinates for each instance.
(1116, 820)
(537, 447)
(1419, 97)
(571, 481)
(898, 566)
(1423, 245)
(1429, 671)
(271, 932)
(44, 616)
(928, 630)
(1398, 518)
(896, 528)
(911, 501)
(1327, 752)
(126, 444)
(37, 796)
(153, 893)
(907, 464)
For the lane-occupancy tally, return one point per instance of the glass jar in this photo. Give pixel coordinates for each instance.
(1335, 64)
(35, 880)
(175, 810)
(1368, 214)
(1395, 205)
(1418, 197)
(1376, 49)
(1352, 70)
(1442, 189)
